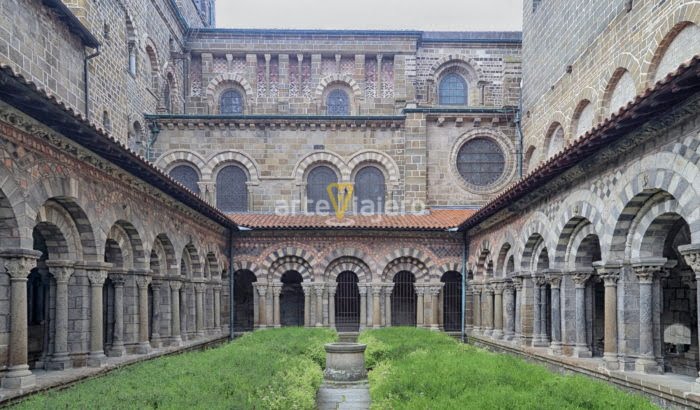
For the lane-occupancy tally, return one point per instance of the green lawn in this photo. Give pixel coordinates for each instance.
(268, 369)
(419, 369)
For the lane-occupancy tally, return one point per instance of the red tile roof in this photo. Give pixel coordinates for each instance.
(434, 220)
(653, 102)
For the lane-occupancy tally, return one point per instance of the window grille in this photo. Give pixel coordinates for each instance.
(187, 176)
(403, 300)
(452, 301)
(316, 188)
(370, 189)
(347, 303)
(480, 161)
(452, 90)
(232, 189)
(338, 103)
(231, 102)
(292, 300)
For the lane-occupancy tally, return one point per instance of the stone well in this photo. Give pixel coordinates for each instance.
(345, 362)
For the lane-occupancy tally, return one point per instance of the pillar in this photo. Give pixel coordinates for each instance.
(319, 305)
(488, 310)
(262, 307)
(537, 322)
(307, 304)
(477, 308)
(217, 308)
(183, 313)
(331, 305)
(645, 271)
(468, 311)
(610, 275)
(276, 290)
(440, 304)
(175, 338)
(142, 282)
(388, 289)
(18, 264)
(581, 348)
(156, 286)
(508, 311)
(61, 271)
(256, 306)
(199, 300)
(363, 307)
(434, 307)
(97, 274)
(691, 254)
(518, 328)
(498, 310)
(118, 278)
(376, 306)
(420, 307)
(555, 347)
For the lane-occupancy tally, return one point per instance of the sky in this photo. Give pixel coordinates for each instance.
(459, 15)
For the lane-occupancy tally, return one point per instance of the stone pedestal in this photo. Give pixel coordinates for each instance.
(61, 271)
(345, 362)
(18, 264)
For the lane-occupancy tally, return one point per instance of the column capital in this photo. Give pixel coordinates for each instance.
(262, 289)
(691, 254)
(581, 276)
(61, 270)
(19, 262)
(97, 272)
(554, 278)
(388, 287)
(175, 284)
(497, 287)
(200, 287)
(420, 290)
(363, 290)
(306, 287)
(276, 289)
(143, 281)
(518, 283)
(376, 289)
(647, 268)
(318, 289)
(435, 290)
(539, 279)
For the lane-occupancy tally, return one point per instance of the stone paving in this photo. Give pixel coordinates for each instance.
(343, 397)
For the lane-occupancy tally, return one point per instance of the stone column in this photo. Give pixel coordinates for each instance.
(97, 274)
(435, 307)
(307, 304)
(610, 274)
(581, 348)
(118, 278)
(488, 309)
(276, 290)
(61, 271)
(199, 300)
(217, 308)
(498, 310)
(331, 305)
(363, 307)
(388, 289)
(262, 308)
(537, 323)
(156, 286)
(376, 306)
(468, 311)
(175, 338)
(555, 347)
(183, 312)
(477, 308)
(646, 270)
(691, 254)
(318, 289)
(142, 282)
(508, 311)
(18, 264)
(420, 312)
(440, 304)
(256, 306)
(518, 328)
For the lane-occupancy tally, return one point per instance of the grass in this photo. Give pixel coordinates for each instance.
(268, 369)
(419, 369)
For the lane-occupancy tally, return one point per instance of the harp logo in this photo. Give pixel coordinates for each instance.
(340, 195)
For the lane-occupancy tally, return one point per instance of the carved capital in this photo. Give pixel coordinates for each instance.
(518, 283)
(580, 278)
(61, 270)
(646, 269)
(363, 290)
(691, 254)
(276, 290)
(376, 290)
(539, 280)
(143, 281)
(19, 262)
(175, 285)
(262, 290)
(389, 288)
(319, 290)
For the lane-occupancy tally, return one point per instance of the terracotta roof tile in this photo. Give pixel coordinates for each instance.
(434, 220)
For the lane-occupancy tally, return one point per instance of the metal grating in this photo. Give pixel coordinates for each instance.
(347, 303)
(292, 300)
(231, 102)
(232, 189)
(453, 90)
(187, 176)
(452, 301)
(480, 161)
(404, 300)
(370, 190)
(338, 103)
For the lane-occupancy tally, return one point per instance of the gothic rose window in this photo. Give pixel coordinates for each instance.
(481, 161)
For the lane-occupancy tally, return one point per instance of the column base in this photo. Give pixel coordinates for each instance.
(508, 337)
(435, 328)
(582, 352)
(200, 334)
(175, 341)
(611, 362)
(647, 365)
(497, 334)
(96, 359)
(117, 350)
(555, 348)
(143, 348)
(539, 341)
(696, 386)
(155, 342)
(59, 361)
(373, 327)
(277, 326)
(18, 377)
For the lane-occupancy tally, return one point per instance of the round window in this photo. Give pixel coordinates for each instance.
(480, 161)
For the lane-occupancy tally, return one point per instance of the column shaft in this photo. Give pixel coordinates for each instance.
(144, 346)
(97, 357)
(498, 313)
(175, 338)
(199, 294)
(581, 349)
(363, 307)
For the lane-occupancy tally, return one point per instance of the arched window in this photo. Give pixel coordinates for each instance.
(481, 161)
(338, 103)
(317, 189)
(231, 102)
(370, 190)
(187, 176)
(452, 90)
(231, 189)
